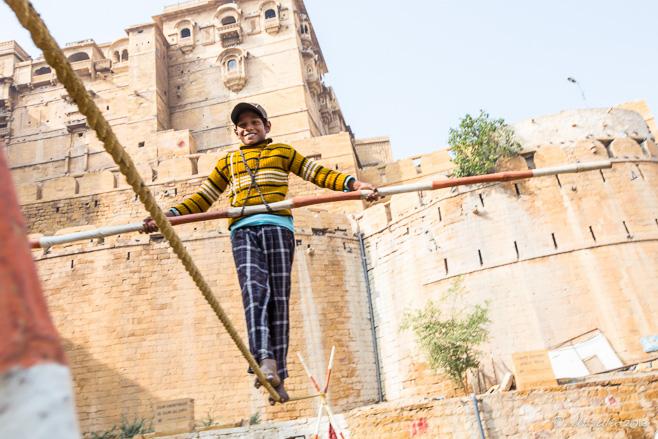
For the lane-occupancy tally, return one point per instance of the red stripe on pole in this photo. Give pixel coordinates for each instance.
(27, 334)
(476, 179)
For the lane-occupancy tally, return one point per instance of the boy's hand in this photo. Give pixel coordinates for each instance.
(356, 185)
(149, 224)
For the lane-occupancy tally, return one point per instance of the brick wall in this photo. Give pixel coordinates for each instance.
(138, 332)
(620, 408)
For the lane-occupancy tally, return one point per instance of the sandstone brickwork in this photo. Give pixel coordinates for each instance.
(554, 256)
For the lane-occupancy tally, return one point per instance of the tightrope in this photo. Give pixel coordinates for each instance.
(42, 38)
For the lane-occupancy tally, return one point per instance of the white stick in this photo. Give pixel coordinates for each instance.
(48, 241)
(568, 169)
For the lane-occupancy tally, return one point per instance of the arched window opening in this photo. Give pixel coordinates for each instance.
(116, 57)
(80, 56)
(124, 55)
(228, 20)
(232, 66)
(270, 14)
(42, 71)
(185, 33)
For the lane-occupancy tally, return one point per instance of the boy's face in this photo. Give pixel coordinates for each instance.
(250, 128)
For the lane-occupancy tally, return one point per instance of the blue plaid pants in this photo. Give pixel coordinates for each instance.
(263, 257)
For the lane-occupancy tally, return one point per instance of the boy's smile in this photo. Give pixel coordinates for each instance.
(250, 128)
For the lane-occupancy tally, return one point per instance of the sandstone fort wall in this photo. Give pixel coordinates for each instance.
(555, 256)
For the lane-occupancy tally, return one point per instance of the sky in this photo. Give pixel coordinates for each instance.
(412, 70)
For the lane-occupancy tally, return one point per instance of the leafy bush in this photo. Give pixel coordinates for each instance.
(447, 335)
(479, 142)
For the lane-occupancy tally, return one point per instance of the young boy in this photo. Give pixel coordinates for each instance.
(263, 244)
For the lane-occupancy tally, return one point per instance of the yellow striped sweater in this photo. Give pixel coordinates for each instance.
(277, 160)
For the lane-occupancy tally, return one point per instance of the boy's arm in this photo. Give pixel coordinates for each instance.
(325, 177)
(201, 201)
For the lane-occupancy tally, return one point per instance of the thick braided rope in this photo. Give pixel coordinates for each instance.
(31, 20)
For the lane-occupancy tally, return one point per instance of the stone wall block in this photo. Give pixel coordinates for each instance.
(175, 168)
(517, 163)
(27, 192)
(396, 172)
(587, 151)
(649, 148)
(375, 218)
(175, 143)
(625, 147)
(207, 163)
(145, 171)
(402, 204)
(550, 155)
(437, 161)
(371, 175)
(58, 188)
(95, 182)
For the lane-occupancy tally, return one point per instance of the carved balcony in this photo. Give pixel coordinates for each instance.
(85, 67)
(102, 65)
(75, 123)
(230, 34)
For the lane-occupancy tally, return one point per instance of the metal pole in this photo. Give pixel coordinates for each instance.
(477, 415)
(372, 319)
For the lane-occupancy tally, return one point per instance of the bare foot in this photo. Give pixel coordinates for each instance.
(269, 369)
(282, 394)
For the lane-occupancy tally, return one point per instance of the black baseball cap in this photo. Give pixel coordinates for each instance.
(244, 106)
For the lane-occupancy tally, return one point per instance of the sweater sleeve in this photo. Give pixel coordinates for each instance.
(207, 194)
(315, 173)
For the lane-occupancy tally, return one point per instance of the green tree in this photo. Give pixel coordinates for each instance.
(479, 142)
(447, 335)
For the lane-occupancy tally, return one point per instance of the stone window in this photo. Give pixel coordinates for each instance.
(118, 52)
(80, 56)
(232, 63)
(229, 29)
(270, 17)
(185, 32)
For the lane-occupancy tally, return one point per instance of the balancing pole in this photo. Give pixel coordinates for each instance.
(234, 212)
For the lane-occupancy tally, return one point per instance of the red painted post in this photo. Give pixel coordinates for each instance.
(37, 394)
